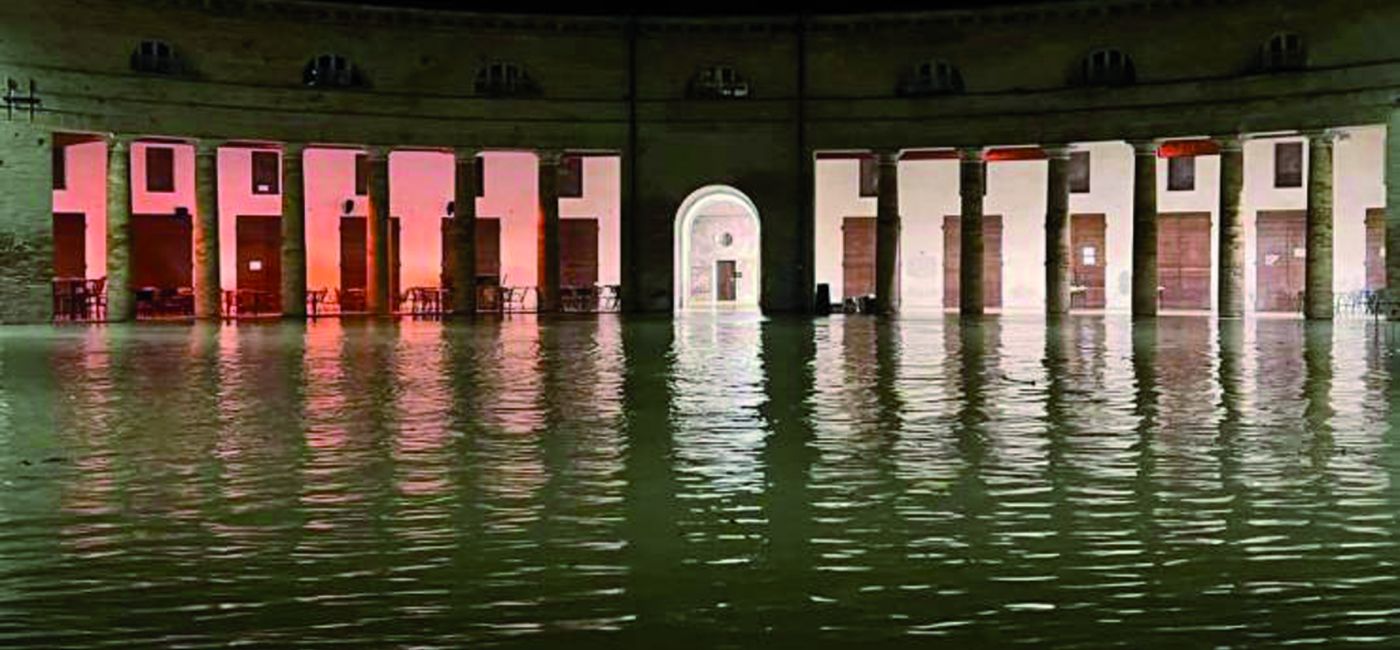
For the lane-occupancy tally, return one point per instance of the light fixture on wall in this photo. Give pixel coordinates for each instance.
(451, 208)
(182, 211)
(348, 208)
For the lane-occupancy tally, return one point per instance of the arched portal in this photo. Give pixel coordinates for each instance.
(717, 250)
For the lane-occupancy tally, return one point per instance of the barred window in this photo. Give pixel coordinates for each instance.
(332, 71)
(156, 57)
(1107, 67)
(936, 77)
(718, 81)
(504, 79)
(1283, 51)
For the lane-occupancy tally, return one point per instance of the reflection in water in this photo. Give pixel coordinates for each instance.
(713, 480)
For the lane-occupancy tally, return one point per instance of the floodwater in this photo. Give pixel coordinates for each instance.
(702, 482)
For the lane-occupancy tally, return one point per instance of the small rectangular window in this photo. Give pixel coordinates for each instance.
(571, 177)
(1181, 173)
(361, 174)
(869, 177)
(1079, 172)
(60, 167)
(160, 169)
(1288, 164)
(265, 172)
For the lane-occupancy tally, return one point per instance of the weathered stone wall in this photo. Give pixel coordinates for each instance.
(1193, 63)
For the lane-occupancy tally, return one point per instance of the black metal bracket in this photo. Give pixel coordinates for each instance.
(14, 99)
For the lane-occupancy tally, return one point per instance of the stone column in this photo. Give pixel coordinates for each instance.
(972, 186)
(1317, 272)
(463, 271)
(208, 291)
(549, 271)
(1392, 204)
(1231, 289)
(377, 233)
(293, 232)
(887, 227)
(1144, 228)
(121, 302)
(1057, 242)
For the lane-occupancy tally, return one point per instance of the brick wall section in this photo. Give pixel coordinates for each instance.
(26, 224)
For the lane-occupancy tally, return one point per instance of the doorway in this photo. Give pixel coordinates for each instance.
(717, 244)
(1281, 260)
(259, 255)
(858, 257)
(1183, 260)
(1087, 233)
(991, 260)
(69, 245)
(1375, 249)
(726, 280)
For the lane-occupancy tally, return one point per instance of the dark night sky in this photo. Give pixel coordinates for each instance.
(687, 7)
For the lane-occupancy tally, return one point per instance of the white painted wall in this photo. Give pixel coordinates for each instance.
(928, 191)
(1359, 182)
(1204, 198)
(1016, 190)
(838, 197)
(1111, 194)
(601, 200)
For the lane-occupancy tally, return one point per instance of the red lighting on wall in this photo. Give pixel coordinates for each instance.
(1015, 153)
(1187, 148)
(930, 154)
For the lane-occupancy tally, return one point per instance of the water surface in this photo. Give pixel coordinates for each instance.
(702, 482)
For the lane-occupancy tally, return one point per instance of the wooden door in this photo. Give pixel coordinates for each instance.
(162, 251)
(991, 260)
(726, 281)
(69, 244)
(395, 266)
(353, 264)
(1375, 249)
(578, 253)
(858, 257)
(259, 255)
(488, 251)
(1183, 260)
(1280, 260)
(1087, 261)
(449, 254)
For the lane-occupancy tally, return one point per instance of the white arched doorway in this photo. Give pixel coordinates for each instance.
(718, 256)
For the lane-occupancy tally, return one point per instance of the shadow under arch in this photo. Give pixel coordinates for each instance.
(744, 251)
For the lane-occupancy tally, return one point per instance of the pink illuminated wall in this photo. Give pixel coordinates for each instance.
(330, 180)
(420, 185)
(86, 192)
(512, 185)
(601, 200)
(236, 198)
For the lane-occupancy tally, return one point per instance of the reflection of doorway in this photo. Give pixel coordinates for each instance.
(857, 257)
(726, 281)
(69, 245)
(1087, 240)
(1183, 260)
(259, 255)
(991, 260)
(1375, 249)
(1281, 260)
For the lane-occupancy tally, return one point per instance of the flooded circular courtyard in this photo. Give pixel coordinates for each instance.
(699, 482)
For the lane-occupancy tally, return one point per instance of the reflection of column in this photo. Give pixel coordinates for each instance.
(972, 187)
(1057, 243)
(887, 229)
(549, 231)
(463, 271)
(293, 232)
(121, 303)
(1229, 447)
(207, 288)
(1145, 408)
(1317, 389)
(1144, 228)
(1231, 290)
(377, 232)
(1317, 272)
(1392, 202)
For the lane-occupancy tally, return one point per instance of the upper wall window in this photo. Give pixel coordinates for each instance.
(331, 71)
(1107, 67)
(718, 81)
(1288, 164)
(502, 79)
(1181, 173)
(156, 57)
(1079, 172)
(1283, 51)
(869, 177)
(160, 170)
(571, 177)
(60, 167)
(932, 78)
(265, 172)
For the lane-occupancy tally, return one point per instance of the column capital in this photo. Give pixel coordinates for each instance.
(1323, 137)
(465, 155)
(550, 157)
(206, 147)
(119, 141)
(971, 154)
(887, 156)
(1232, 142)
(378, 153)
(1144, 147)
(1057, 151)
(293, 148)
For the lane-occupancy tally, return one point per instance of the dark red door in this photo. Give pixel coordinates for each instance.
(991, 260)
(259, 255)
(162, 251)
(578, 252)
(1087, 240)
(726, 281)
(1183, 260)
(1375, 249)
(353, 262)
(488, 251)
(69, 245)
(395, 290)
(858, 257)
(1280, 260)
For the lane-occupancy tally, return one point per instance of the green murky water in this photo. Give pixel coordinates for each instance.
(699, 483)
